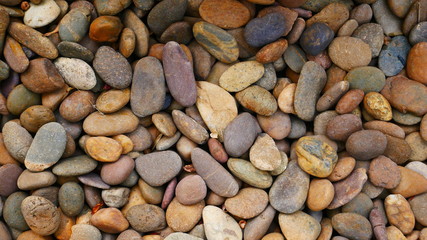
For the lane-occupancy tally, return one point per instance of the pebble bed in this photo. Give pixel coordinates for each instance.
(213, 119)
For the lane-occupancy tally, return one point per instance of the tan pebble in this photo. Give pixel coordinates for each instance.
(30, 235)
(348, 28)
(344, 167)
(272, 52)
(241, 75)
(112, 100)
(109, 220)
(125, 141)
(393, 233)
(286, 99)
(264, 154)
(320, 194)
(103, 149)
(164, 122)
(273, 236)
(135, 198)
(327, 230)
(184, 146)
(64, 230)
(377, 106)
(399, 213)
(280, 85)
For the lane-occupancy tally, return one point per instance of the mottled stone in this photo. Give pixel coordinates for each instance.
(41, 215)
(372, 34)
(146, 218)
(390, 23)
(349, 188)
(349, 52)
(219, 225)
(241, 75)
(352, 225)
(399, 213)
(98, 124)
(392, 58)
(71, 198)
(264, 30)
(76, 73)
(299, 225)
(165, 13)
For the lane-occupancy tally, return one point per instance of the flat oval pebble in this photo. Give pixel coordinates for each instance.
(241, 75)
(9, 174)
(386, 128)
(75, 50)
(368, 79)
(34, 180)
(85, 231)
(348, 188)
(216, 41)
(47, 147)
(76, 73)
(117, 172)
(289, 191)
(20, 98)
(352, 225)
(349, 52)
(219, 225)
(109, 220)
(227, 14)
(384, 173)
(411, 183)
(295, 58)
(272, 52)
(417, 62)
(166, 13)
(316, 157)
(392, 58)
(77, 106)
(299, 225)
(105, 29)
(240, 134)
(148, 85)
(191, 190)
(342, 126)
(12, 213)
(41, 14)
(133, 22)
(385, 17)
(264, 154)
(310, 84)
(316, 38)
(112, 100)
(399, 213)
(103, 149)
(320, 187)
(179, 74)
(264, 30)
(334, 15)
(366, 144)
(257, 99)
(418, 204)
(216, 106)
(183, 218)
(372, 34)
(41, 215)
(332, 96)
(98, 124)
(71, 198)
(147, 167)
(42, 76)
(189, 127)
(249, 174)
(248, 203)
(257, 227)
(146, 218)
(74, 166)
(217, 178)
(112, 67)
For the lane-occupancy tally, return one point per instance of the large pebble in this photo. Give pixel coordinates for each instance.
(42, 76)
(109, 220)
(17, 140)
(9, 175)
(406, 95)
(418, 33)
(112, 67)
(75, 50)
(117, 172)
(333, 14)
(257, 99)
(399, 213)
(316, 157)
(219, 225)
(418, 206)
(372, 34)
(189, 127)
(352, 225)
(112, 100)
(41, 215)
(368, 79)
(148, 85)
(133, 22)
(179, 74)
(85, 231)
(147, 167)
(417, 62)
(310, 84)
(264, 154)
(257, 227)
(105, 29)
(227, 14)
(278, 125)
(241, 75)
(384, 173)
(320, 187)
(361, 204)
(349, 188)
(34, 180)
(12, 213)
(216, 106)
(366, 144)
(41, 14)
(349, 52)
(99, 124)
(183, 218)
(299, 226)
(217, 178)
(341, 127)
(74, 166)
(20, 98)
(248, 203)
(47, 147)
(191, 190)
(71, 198)
(240, 134)
(146, 218)
(74, 25)
(166, 13)
(316, 38)
(103, 149)
(249, 174)
(295, 58)
(412, 183)
(219, 43)
(77, 106)
(264, 30)
(289, 191)
(76, 73)
(392, 58)
(388, 21)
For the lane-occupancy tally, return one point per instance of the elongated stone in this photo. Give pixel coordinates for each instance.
(249, 174)
(130, 20)
(241, 75)
(189, 127)
(216, 41)
(74, 25)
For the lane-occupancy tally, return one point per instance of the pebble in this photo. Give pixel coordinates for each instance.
(399, 213)
(42, 14)
(352, 225)
(77, 106)
(386, 128)
(76, 73)
(225, 14)
(17, 140)
(361, 204)
(248, 203)
(418, 167)
(179, 74)
(158, 20)
(373, 35)
(218, 42)
(412, 183)
(349, 52)
(249, 174)
(377, 106)
(117, 172)
(347, 189)
(20, 98)
(320, 187)
(74, 25)
(103, 149)
(418, 33)
(219, 225)
(133, 22)
(41, 215)
(390, 23)
(264, 30)
(347, 29)
(75, 50)
(42, 76)
(257, 227)
(115, 197)
(164, 123)
(366, 144)
(71, 199)
(341, 127)
(74, 166)
(217, 119)
(418, 208)
(105, 29)
(46, 148)
(109, 220)
(241, 75)
(34, 180)
(417, 62)
(85, 231)
(384, 173)
(191, 190)
(310, 84)
(15, 58)
(316, 38)
(333, 14)
(393, 57)
(112, 67)
(295, 58)
(408, 95)
(332, 96)
(146, 166)
(189, 127)
(269, 79)
(299, 225)
(264, 154)
(9, 174)
(418, 146)
(127, 42)
(289, 191)
(112, 100)
(146, 218)
(148, 84)
(414, 16)
(181, 236)
(98, 124)
(277, 126)
(12, 214)
(183, 218)
(272, 52)
(361, 13)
